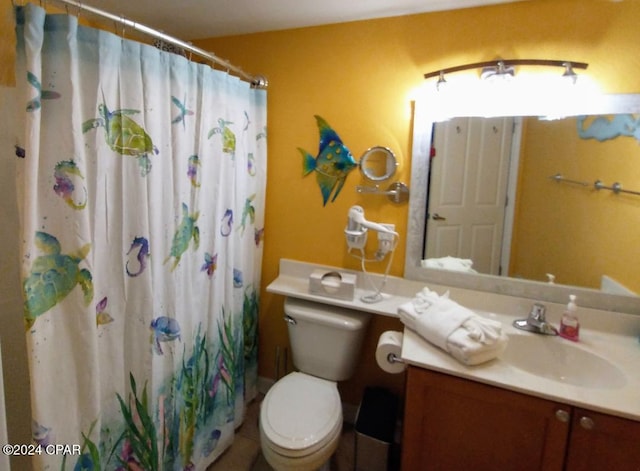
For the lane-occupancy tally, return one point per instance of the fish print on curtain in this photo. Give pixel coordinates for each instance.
(141, 190)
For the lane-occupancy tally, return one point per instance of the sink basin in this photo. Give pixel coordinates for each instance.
(557, 359)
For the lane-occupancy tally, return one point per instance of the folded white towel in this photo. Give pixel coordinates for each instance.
(435, 318)
(449, 263)
(468, 337)
(471, 352)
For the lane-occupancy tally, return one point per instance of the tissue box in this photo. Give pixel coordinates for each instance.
(333, 284)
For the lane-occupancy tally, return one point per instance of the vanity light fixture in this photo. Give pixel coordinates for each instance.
(500, 71)
(505, 68)
(569, 74)
(441, 81)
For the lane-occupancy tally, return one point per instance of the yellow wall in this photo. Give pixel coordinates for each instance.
(361, 78)
(7, 45)
(577, 233)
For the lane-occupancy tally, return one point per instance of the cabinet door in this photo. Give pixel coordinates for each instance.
(603, 442)
(455, 424)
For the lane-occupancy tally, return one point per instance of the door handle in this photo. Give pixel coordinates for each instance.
(437, 217)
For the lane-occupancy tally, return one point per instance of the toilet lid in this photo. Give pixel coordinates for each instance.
(300, 411)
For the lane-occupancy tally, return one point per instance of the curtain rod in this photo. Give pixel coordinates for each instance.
(257, 81)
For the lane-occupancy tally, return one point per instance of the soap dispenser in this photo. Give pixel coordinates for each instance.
(569, 324)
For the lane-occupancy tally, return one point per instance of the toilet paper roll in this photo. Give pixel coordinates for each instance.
(390, 343)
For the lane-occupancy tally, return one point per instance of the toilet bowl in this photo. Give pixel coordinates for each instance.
(300, 422)
(301, 415)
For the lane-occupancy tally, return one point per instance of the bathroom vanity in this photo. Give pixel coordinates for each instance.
(546, 403)
(455, 423)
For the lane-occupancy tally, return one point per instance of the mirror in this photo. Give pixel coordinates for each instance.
(378, 163)
(529, 224)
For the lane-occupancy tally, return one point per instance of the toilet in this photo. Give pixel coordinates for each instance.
(301, 414)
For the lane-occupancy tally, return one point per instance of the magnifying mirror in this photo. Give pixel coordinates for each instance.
(378, 163)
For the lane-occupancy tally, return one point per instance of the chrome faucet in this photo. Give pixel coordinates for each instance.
(536, 322)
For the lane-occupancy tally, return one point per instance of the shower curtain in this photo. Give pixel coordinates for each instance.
(142, 179)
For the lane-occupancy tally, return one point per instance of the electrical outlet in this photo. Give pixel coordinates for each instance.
(386, 240)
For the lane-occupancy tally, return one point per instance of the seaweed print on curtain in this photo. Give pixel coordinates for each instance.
(142, 215)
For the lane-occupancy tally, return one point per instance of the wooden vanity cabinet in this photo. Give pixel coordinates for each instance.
(603, 442)
(452, 423)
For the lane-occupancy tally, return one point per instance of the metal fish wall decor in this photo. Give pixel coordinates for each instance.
(332, 164)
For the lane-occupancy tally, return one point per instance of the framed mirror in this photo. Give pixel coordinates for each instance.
(550, 219)
(378, 164)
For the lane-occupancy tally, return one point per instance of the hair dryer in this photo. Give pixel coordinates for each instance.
(357, 225)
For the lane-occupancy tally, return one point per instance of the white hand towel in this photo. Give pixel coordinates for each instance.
(483, 330)
(472, 352)
(450, 263)
(468, 337)
(435, 317)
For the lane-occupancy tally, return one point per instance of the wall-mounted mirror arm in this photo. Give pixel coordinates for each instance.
(397, 192)
(378, 164)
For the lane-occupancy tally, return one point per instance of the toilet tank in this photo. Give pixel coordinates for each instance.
(325, 340)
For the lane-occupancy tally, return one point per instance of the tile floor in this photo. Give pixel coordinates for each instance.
(245, 455)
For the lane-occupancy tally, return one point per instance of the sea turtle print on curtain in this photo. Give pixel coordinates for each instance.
(140, 289)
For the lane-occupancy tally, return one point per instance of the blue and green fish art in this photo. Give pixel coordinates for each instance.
(332, 164)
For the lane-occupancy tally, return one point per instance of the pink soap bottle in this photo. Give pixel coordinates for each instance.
(569, 324)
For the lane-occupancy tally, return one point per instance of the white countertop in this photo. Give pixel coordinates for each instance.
(612, 336)
(622, 351)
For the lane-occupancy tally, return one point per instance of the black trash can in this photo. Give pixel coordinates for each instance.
(375, 429)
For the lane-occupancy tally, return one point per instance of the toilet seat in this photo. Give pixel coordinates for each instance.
(301, 414)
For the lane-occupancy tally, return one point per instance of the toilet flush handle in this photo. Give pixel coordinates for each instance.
(289, 320)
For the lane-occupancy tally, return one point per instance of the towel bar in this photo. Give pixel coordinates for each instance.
(598, 185)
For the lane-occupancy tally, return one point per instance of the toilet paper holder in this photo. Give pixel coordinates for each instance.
(393, 358)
